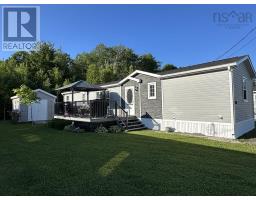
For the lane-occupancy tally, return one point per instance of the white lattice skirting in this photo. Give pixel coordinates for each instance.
(215, 129)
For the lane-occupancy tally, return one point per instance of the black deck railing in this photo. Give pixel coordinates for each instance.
(86, 109)
(100, 108)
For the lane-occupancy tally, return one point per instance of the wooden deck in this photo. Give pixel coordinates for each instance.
(85, 119)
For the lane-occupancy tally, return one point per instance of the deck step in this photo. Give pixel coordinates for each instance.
(133, 124)
(136, 129)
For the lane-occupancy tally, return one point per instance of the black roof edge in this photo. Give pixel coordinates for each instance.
(204, 65)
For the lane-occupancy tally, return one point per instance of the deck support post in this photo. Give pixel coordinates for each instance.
(115, 109)
(87, 96)
(72, 104)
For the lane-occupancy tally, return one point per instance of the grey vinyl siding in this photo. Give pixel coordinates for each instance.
(254, 103)
(202, 97)
(153, 107)
(149, 107)
(50, 107)
(23, 113)
(243, 109)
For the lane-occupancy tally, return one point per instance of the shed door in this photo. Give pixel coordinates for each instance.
(39, 111)
(129, 100)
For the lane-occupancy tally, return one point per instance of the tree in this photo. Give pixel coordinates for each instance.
(80, 65)
(93, 74)
(148, 63)
(112, 63)
(27, 96)
(168, 67)
(106, 74)
(9, 79)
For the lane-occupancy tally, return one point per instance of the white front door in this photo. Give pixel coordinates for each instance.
(130, 100)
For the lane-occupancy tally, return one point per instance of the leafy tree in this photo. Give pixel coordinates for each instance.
(148, 63)
(66, 82)
(80, 65)
(8, 80)
(106, 74)
(92, 75)
(168, 67)
(27, 96)
(112, 62)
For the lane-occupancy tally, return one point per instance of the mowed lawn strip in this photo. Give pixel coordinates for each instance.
(36, 160)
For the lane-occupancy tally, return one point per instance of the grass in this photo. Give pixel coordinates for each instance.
(41, 161)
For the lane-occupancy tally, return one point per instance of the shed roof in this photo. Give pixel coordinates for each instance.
(36, 91)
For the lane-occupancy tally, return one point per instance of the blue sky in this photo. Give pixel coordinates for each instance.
(177, 34)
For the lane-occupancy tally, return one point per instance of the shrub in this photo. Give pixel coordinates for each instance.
(77, 130)
(169, 129)
(115, 129)
(101, 129)
(69, 127)
(58, 124)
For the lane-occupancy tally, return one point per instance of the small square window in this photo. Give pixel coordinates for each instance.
(152, 90)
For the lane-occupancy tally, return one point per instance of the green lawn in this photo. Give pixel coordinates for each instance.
(42, 161)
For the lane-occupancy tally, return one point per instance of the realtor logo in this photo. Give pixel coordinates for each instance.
(20, 28)
(232, 19)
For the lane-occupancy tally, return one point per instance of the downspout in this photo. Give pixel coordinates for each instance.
(232, 106)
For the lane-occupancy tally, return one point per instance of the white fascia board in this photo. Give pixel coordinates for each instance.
(247, 58)
(198, 70)
(68, 92)
(111, 85)
(14, 97)
(129, 77)
(147, 73)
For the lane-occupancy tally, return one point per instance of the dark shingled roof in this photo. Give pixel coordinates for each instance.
(203, 65)
(81, 86)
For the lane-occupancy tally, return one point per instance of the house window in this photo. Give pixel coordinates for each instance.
(107, 94)
(245, 97)
(98, 95)
(67, 98)
(152, 90)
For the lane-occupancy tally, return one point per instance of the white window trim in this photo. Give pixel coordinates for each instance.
(246, 89)
(149, 84)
